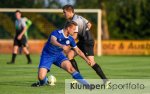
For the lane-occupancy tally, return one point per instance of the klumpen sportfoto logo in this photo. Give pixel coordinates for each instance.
(113, 86)
(110, 86)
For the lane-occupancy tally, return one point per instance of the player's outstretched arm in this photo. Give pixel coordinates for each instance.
(81, 54)
(54, 42)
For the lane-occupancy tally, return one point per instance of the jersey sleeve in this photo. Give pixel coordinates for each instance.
(23, 23)
(76, 31)
(72, 42)
(75, 20)
(28, 23)
(55, 34)
(85, 20)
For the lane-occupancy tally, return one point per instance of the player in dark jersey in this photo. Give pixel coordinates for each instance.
(86, 40)
(28, 24)
(20, 39)
(52, 53)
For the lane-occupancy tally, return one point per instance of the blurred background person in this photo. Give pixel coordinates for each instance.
(28, 24)
(20, 39)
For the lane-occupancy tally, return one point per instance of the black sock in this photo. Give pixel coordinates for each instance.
(28, 57)
(74, 64)
(99, 71)
(13, 58)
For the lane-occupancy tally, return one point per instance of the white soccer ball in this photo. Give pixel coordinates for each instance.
(52, 80)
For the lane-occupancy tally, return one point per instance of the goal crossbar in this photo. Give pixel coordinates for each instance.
(47, 10)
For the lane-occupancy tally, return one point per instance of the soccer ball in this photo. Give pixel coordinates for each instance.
(52, 80)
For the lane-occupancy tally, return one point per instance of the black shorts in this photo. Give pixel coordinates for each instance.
(86, 47)
(21, 42)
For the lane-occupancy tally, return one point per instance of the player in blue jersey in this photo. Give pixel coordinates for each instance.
(59, 41)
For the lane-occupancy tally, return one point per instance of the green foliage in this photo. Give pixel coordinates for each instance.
(128, 19)
(90, 4)
(16, 3)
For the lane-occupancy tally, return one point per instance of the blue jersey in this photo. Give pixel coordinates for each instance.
(62, 39)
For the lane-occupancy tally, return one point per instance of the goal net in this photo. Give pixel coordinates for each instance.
(45, 21)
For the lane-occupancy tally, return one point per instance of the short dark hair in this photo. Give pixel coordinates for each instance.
(70, 23)
(17, 11)
(68, 8)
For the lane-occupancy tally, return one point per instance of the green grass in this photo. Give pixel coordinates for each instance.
(17, 78)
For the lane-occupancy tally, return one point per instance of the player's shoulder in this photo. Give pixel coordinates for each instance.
(56, 32)
(22, 20)
(71, 38)
(60, 31)
(76, 16)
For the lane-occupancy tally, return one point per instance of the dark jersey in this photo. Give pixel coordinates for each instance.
(83, 32)
(20, 24)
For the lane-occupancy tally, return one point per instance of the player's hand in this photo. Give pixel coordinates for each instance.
(88, 62)
(19, 37)
(66, 48)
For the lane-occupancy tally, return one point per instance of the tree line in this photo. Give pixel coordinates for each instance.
(122, 19)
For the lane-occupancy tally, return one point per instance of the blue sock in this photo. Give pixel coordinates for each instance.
(76, 75)
(44, 81)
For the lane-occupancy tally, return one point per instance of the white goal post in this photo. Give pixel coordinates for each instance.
(98, 11)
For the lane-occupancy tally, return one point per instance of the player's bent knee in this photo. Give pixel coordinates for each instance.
(41, 76)
(25, 50)
(71, 55)
(66, 65)
(42, 73)
(71, 69)
(15, 49)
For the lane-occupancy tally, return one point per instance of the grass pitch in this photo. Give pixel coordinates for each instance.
(17, 78)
